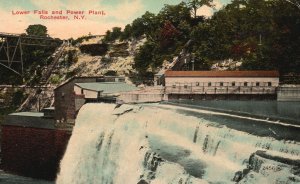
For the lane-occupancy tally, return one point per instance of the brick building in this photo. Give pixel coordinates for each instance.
(31, 145)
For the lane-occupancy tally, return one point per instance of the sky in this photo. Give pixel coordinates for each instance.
(117, 13)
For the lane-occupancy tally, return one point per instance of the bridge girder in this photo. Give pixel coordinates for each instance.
(11, 49)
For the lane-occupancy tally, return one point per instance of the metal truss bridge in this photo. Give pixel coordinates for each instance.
(11, 49)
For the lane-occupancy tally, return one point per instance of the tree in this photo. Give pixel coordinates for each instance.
(127, 33)
(146, 24)
(116, 33)
(37, 30)
(175, 14)
(168, 34)
(196, 4)
(262, 34)
(113, 35)
(145, 57)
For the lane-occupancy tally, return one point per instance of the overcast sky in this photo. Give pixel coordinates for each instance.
(118, 13)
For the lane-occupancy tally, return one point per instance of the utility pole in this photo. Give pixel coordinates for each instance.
(193, 63)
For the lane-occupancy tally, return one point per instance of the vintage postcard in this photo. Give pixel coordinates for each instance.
(150, 92)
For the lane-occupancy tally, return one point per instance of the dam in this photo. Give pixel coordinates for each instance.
(160, 143)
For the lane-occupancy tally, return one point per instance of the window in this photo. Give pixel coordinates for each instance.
(233, 84)
(62, 94)
(209, 84)
(185, 86)
(81, 91)
(221, 84)
(257, 83)
(269, 83)
(245, 83)
(173, 86)
(197, 84)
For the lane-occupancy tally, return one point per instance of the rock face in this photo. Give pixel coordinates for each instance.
(99, 59)
(99, 49)
(120, 50)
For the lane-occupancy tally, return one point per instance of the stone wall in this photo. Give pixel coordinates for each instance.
(289, 93)
(33, 152)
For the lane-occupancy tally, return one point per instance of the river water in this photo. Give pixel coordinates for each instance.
(285, 111)
(159, 143)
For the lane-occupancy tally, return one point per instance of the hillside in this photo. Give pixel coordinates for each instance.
(117, 60)
(255, 34)
(243, 35)
(80, 59)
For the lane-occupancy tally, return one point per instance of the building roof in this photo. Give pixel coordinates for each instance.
(107, 87)
(32, 114)
(77, 77)
(29, 119)
(87, 77)
(50, 108)
(259, 73)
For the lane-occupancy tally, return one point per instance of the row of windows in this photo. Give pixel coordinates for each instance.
(232, 84)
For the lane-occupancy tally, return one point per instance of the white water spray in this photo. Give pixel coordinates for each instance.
(135, 144)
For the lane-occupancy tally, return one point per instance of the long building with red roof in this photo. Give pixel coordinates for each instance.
(221, 82)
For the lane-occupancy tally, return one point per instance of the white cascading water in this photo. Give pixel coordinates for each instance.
(136, 144)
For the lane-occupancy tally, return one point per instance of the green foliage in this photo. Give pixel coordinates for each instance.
(144, 58)
(116, 33)
(37, 30)
(146, 24)
(175, 14)
(80, 39)
(264, 35)
(72, 58)
(126, 34)
(166, 33)
(18, 97)
(73, 72)
(55, 79)
(194, 5)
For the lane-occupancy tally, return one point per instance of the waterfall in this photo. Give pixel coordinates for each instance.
(156, 144)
